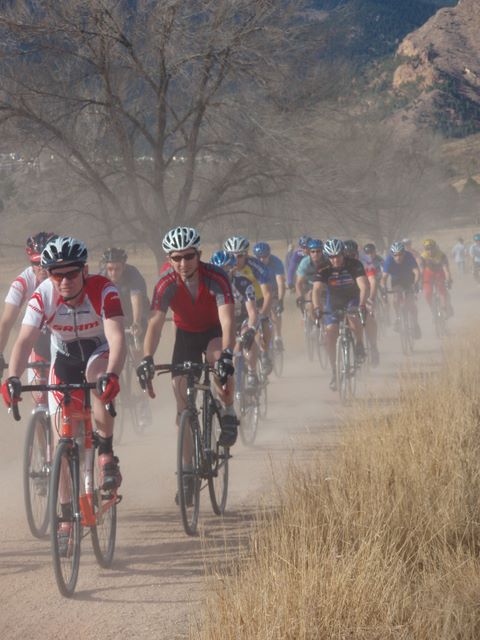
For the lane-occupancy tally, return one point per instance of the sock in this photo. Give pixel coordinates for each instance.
(105, 445)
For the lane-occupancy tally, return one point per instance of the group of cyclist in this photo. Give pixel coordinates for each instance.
(77, 320)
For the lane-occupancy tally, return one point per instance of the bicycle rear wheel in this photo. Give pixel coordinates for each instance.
(104, 532)
(63, 504)
(36, 472)
(218, 472)
(188, 477)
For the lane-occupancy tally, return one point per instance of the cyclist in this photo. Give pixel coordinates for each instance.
(132, 288)
(245, 312)
(85, 317)
(295, 259)
(201, 298)
(404, 272)
(407, 243)
(474, 252)
(346, 287)
(351, 249)
(260, 275)
(373, 265)
(309, 266)
(263, 252)
(436, 273)
(20, 292)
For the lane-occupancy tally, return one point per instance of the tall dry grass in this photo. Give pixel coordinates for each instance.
(384, 545)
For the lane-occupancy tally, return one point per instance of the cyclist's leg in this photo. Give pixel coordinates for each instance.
(428, 283)
(225, 393)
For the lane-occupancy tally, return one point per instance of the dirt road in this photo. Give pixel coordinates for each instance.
(157, 577)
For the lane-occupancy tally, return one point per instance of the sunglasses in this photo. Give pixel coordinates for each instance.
(186, 256)
(68, 275)
(397, 255)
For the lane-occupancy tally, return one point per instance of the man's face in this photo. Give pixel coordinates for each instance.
(337, 261)
(68, 280)
(264, 259)
(115, 271)
(185, 262)
(40, 273)
(399, 257)
(241, 259)
(316, 255)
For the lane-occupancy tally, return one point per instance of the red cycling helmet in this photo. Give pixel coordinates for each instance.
(37, 243)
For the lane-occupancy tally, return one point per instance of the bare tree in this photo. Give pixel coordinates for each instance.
(165, 111)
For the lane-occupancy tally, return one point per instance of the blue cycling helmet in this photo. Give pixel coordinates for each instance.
(314, 243)
(223, 259)
(476, 236)
(262, 250)
(303, 241)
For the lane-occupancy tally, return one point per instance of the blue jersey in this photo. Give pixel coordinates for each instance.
(276, 269)
(260, 271)
(401, 271)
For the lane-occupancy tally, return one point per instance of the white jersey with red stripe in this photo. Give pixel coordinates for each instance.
(100, 300)
(22, 288)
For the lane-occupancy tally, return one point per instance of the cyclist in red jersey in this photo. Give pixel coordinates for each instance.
(200, 296)
(85, 317)
(20, 292)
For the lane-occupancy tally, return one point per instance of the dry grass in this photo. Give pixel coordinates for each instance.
(385, 545)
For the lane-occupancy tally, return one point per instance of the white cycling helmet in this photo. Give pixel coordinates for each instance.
(236, 244)
(181, 238)
(397, 247)
(63, 250)
(333, 247)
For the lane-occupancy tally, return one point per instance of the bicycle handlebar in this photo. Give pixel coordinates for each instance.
(63, 387)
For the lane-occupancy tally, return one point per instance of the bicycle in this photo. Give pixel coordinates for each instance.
(248, 401)
(75, 499)
(406, 324)
(315, 336)
(37, 458)
(131, 402)
(345, 357)
(439, 316)
(208, 464)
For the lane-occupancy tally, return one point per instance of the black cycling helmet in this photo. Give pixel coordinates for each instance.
(369, 248)
(62, 251)
(350, 246)
(112, 254)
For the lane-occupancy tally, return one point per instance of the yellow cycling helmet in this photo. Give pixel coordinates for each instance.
(428, 243)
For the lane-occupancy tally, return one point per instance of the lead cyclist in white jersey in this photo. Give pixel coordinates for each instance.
(20, 291)
(85, 317)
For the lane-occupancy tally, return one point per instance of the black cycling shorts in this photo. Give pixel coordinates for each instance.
(191, 346)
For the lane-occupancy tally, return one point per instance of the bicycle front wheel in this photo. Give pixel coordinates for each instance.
(277, 356)
(36, 472)
(321, 344)
(188, 473)
(345, 370)
(104, 532)
(218, 457)
(65, 533)
(250, 416)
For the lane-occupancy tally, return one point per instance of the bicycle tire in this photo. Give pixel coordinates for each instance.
(262, 391)
(189, 512)
(36, 472)
(104, 533)
(218, 463)
(65, 467)
(277, 356)
(307, 329)
(322, 347)
(345, 369)
(250, 417)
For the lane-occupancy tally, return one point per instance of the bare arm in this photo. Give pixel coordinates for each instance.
(115, 335)
(226, 315)
(137, 308)
(154, 331)
(267, 299)
(362, 283)
(22, 348)
(300, 286)
(318, 289)
(281, 286)
(9, 316)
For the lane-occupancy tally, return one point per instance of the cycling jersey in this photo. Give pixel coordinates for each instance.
(275, 265)
(201, 314)
(401, 272)
(308, 269)
(373, 266)
(295, 259)
(22, 288)
(434, 261)
(132, 283)
(243, 291)
(341, 282)
(257, 273)
(70, 326)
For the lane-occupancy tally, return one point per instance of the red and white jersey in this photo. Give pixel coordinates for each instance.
(100, 301)
(22, 288)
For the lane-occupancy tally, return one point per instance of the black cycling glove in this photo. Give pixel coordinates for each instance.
(225, 366)
(146, 371)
